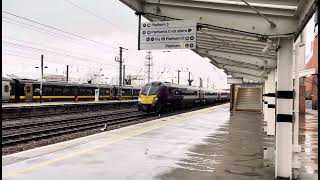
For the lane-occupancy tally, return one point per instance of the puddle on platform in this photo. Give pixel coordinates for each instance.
(234, 152)
(308, 139)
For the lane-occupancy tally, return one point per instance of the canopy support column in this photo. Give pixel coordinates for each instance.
(284, 109)
(271, 111)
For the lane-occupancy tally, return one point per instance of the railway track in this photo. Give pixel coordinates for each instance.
(42, 113)
(28, 132)
(21, 134)
(30, 121)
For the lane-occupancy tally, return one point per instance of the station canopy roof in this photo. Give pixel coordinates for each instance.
(239, 36)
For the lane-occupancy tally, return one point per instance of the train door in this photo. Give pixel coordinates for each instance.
(28, 91)
(5, 90)
(132, 93)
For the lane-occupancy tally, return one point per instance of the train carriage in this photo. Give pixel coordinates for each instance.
(106, 92)
(29, 90)
(128, 92)
(224, 95)
(7, 89)
(210, 96)
(159, 96)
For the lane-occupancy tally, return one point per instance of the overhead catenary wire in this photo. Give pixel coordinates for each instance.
(50, 48)
(32, 49)
(50, 51)
(12, 53)
(78, 43)
(35, 58)
(90, 70)
(49, 33)
(60, 30)
(93, 14)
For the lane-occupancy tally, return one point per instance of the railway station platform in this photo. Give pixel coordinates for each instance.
(27, 109)
(211, 143)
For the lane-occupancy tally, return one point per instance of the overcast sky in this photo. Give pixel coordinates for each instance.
(24, 42)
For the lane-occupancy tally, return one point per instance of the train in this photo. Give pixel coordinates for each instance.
(25, 90)
(161, 96)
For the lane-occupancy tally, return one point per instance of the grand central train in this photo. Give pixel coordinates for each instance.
(21, 90)
(159, 96)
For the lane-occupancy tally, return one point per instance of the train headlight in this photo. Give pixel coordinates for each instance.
(155, 99)
(139, 99)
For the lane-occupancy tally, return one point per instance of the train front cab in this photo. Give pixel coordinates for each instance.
(148, 99)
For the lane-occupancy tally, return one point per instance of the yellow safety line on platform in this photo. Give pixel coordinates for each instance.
(113, 140)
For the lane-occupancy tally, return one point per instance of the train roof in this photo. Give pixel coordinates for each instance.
(159, 83)
(6, 79)
(64, 84)
(208, 90)
(128, 86)
(59, 83)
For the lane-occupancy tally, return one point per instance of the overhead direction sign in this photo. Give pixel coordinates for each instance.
(180, 34)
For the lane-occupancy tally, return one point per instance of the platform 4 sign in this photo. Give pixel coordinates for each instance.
(180, 34)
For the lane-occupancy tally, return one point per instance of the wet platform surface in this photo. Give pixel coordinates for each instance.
(308, 139)
(212, 143)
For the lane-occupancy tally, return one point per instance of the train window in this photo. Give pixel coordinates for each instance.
(149, 90)
(75, 90)
(136, 92)
(144, 90)
(28, 89)
(57, 91)
(6, 88)
(66, 91)
(90, 91)
(153, 90)
(47, 90)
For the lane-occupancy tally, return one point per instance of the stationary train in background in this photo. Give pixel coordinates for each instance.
(20, 90)
(159, 96)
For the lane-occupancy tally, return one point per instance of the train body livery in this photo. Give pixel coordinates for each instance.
(158, 96)
(19, 90)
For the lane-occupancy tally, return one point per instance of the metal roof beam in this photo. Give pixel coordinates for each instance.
(239, 52)
(225, 61)
(243, 19)
(229, 37)
(255, 78)
(227, 42)
(265, 62)
(252, 72)
(235, 6)
(234, 47)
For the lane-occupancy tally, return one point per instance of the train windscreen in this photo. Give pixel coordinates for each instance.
(149, 90)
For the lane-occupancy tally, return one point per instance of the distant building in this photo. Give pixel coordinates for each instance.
(311, 82)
